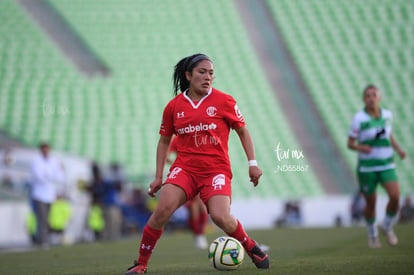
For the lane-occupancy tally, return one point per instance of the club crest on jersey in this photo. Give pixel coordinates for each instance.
(180, 114)
(219, 181)
(211, 111)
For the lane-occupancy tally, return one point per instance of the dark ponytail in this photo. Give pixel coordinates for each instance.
(187, 64)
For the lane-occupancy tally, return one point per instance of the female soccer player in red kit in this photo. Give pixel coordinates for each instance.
(201, 117)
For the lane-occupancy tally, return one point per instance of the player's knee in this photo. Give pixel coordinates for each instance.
(395, 199)
(218, 219)
(370, 206)
(163, 213)
(222, 221)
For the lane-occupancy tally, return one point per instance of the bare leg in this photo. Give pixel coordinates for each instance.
(393, 191)
(369, 213)
(219, 209)
(171, 197)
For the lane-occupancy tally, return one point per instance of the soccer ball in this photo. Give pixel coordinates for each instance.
(226, 253)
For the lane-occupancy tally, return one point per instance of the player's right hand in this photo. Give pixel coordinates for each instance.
(155, 185)
(365, 149)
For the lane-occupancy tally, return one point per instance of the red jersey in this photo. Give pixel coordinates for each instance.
(202, 129)
(173, 145)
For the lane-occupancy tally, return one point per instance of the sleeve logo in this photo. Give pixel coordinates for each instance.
(162, 128)
(238, 112)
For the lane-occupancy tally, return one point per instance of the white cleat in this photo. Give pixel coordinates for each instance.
(391, 237)
(374, 242)
(201, 242)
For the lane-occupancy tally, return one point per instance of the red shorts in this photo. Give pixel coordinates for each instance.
(207, 185)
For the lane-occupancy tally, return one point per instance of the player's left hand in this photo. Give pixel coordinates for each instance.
(402, 154)
(255, 173)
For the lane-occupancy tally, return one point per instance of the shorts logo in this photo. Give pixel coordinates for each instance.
(211, 111)
(219, 181)
(173, 174)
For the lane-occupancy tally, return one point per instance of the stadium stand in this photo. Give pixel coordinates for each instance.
(117, 118)
(342, 46)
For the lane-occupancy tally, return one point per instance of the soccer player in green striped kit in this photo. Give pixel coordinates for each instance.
(370, 135)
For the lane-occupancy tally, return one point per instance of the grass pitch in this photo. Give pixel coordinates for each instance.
(292, 251)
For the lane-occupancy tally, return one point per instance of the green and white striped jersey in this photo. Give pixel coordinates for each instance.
(375, 132)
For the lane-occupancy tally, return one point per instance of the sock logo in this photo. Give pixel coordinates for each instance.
(147, 247)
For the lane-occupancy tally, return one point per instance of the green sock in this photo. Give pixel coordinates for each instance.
(371, 227)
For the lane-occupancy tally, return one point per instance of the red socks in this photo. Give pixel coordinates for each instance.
(198, 224)
(150, 236)
(240, 235)
(202, 222)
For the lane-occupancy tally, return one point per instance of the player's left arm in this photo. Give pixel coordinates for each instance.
(247, 142)
(397, 148)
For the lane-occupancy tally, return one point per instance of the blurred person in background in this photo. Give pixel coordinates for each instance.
(357, 208)
(407, 211)
(112, 209)
(96, 221)
(370, 135)
(117, 177)
(46, 175)
(105, 194)
(59, 217)
(291, 216)
(197, 212)
(201, 117)
(135, 211)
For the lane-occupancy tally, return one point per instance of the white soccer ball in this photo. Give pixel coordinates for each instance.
(226, 253)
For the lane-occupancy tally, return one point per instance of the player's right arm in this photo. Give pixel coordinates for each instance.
(358, 147)
(162, 153)
(166, 133)
(353, 135)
